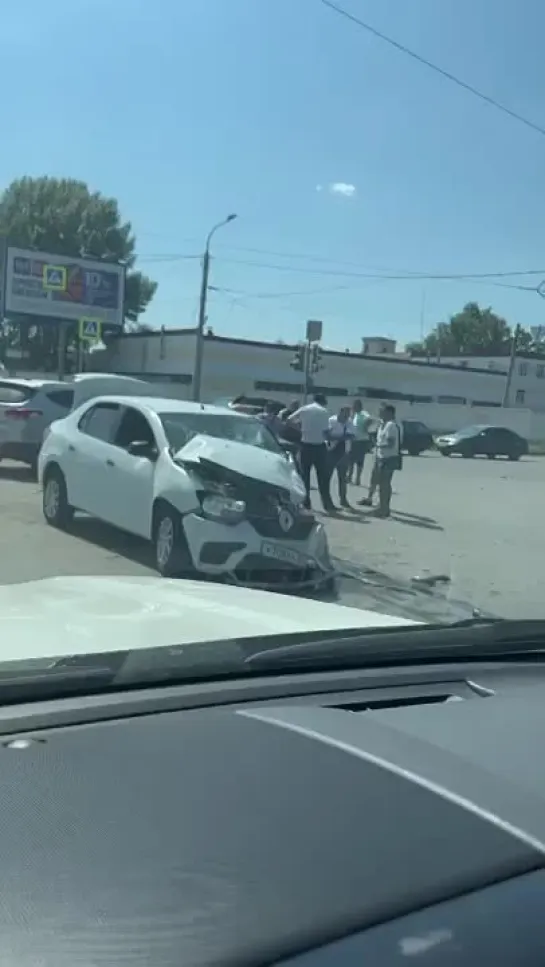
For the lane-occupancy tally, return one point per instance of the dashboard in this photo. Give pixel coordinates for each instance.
(364, 816)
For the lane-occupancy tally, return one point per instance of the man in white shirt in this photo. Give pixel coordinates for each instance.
(387, 460)
(313, 419)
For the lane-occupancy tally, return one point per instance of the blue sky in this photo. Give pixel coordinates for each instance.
(186, 110)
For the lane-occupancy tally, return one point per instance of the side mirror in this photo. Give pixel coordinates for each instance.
(141, 448)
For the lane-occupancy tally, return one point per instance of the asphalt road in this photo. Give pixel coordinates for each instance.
(477, 521)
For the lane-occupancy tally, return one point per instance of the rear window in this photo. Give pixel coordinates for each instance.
(61, 397)
(15, 392)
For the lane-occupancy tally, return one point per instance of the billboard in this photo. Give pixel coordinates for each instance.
(59, 287)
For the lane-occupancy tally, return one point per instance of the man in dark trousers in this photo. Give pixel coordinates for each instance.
(313, 419)
(340, 435)
(388, 459)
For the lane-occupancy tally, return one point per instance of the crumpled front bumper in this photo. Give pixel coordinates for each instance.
(241, 555)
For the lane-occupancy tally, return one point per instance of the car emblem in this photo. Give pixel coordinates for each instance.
(286, 520)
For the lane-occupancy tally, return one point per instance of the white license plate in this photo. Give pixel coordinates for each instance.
(284, 554)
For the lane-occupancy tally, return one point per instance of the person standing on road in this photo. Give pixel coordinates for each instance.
(361, 444)
(313, 419)
(387, 460)
(340, 435)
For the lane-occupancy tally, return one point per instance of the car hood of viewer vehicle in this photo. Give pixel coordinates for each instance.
(81, 615)
(243, 459)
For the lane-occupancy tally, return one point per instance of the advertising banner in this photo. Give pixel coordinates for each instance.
(59, 287)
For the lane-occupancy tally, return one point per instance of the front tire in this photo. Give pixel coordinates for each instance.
(172, 558)
(56, 509)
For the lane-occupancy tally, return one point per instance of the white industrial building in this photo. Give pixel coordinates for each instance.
(235, 366)
(527, 381)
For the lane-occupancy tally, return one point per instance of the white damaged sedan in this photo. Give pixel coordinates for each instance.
(210, 488)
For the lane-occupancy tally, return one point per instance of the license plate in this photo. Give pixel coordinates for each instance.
(284, 554)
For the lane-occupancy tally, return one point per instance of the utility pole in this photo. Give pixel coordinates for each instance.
(307, 384)
(61, 349)
(511, 369)
(199, 344)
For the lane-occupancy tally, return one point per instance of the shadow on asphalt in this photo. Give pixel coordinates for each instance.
(110, 539)
(17, 472)
(415, 520)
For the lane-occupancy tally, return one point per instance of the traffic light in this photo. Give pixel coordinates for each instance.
(298, 361)
(316, 358)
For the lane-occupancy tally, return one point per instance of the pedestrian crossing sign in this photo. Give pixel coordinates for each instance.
(54, 278)
(90, 329)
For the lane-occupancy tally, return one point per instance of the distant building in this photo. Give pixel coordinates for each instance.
(528, 379)
(378, 346)
(234, 366)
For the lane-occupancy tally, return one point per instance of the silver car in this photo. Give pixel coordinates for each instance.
(27, 407)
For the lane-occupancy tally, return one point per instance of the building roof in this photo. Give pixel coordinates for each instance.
(292, 347)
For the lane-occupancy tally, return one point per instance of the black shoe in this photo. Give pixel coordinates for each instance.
(345, 504)
(365, 502)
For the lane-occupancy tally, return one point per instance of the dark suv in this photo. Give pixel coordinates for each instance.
(417, 437)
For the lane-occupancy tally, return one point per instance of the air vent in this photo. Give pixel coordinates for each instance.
(402, 702)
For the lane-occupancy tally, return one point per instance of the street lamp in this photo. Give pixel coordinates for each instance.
(199, 346)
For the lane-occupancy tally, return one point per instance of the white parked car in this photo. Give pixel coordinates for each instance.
(27, 407)
(211, 488)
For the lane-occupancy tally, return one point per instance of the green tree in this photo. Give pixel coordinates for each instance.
(473, 331)
(62, 216)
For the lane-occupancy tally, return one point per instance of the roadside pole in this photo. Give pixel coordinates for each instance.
(307, 383)
(201, 322)
(511, 369)
(61, 357)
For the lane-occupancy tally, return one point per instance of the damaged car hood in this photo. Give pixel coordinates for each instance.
(244, 460)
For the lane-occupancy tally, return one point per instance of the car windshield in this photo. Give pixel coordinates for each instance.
(181, 427)
(470, 431)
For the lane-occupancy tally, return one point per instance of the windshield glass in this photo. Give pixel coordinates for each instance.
(470, 431)
(181, 427)
(307, 251)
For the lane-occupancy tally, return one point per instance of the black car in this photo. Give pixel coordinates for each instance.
(417, 437)
(488, 441)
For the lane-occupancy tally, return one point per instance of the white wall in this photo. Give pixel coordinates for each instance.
(528, 380)
(233, 367)
(239, 366)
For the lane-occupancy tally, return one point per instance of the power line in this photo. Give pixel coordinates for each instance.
(387, 277)
(434, 67)
(404, 276)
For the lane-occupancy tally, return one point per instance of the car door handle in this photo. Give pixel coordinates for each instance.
(110, 463)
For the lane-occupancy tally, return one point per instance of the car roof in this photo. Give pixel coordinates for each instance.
(161, 404)
(35, 383)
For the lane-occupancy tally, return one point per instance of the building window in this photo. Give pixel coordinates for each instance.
(519, 398)
(540, 371)
(523, 369)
